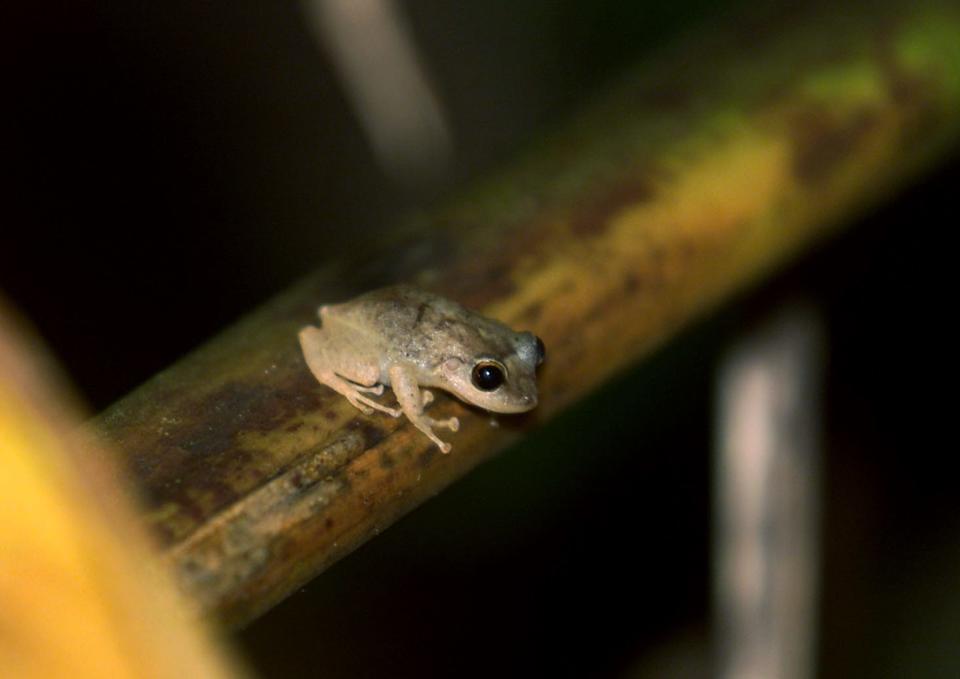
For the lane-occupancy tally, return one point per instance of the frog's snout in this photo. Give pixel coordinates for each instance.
(527, 401)
(516, 402)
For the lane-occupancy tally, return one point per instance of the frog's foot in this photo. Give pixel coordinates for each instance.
(426, 424)
(451, 423)
(361, 402)
(412, 400)
(441, 444)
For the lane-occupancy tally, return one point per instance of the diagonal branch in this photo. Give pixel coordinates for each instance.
(693, 178)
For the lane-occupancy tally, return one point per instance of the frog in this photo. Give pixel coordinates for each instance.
(412, 340)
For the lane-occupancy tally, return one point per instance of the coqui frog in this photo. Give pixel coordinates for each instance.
(406, 338)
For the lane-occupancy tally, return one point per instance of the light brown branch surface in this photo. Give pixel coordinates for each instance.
(693, 178)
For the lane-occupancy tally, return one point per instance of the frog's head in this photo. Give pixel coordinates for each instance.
(504, 383)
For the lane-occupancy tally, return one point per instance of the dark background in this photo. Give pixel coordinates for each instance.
(173, 164)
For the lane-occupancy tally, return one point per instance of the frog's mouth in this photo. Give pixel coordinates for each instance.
(515, 403)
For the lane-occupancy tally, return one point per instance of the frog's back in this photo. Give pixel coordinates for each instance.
(416, 325)
(390, 316)
(379, 310)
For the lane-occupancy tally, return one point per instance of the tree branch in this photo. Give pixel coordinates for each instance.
(694, 177)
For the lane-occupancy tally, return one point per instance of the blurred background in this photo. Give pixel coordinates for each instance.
(173, 165)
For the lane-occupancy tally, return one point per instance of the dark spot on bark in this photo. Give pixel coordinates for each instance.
(913, 94)
(328, 523)
(238, 461)
(421, 310)
(192, 569)
(823, 141)
(372, 435)
(596, 212)
(532, 312)
(329, 415)
(631, 284)
(296, 480)
(427, 457)
(387, 462)
(907, 92)
(211, 434)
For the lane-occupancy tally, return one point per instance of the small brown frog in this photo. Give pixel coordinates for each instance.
(406, 338)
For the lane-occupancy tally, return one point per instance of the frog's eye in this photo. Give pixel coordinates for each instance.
(541, 351)
(487, 376)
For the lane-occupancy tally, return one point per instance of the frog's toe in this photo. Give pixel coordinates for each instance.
(362, 408)
(427, 396)
(451, 423)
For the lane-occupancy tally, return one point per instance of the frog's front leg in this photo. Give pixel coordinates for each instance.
(311, 341)
(407, 389)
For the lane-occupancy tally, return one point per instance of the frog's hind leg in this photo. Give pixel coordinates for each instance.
(412, 401)
(376, 390)
(311, 341)
(364, 379)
